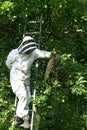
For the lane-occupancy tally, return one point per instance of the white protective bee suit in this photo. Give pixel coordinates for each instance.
(19, 62)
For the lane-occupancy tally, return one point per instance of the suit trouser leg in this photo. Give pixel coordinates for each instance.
(23, 94)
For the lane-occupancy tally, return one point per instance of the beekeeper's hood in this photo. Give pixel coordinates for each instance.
(27, 46)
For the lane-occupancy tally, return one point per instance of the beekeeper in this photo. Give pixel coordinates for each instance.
(19, 62)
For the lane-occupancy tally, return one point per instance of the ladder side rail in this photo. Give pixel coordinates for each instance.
(33, 110)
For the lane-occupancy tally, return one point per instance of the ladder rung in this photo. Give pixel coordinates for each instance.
(30, 110)
(36, 21)
(33, 21)
(34, 32)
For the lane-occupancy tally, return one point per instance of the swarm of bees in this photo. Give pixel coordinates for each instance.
(52, 69)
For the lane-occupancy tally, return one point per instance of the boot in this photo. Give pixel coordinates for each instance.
(17, 121)
(26, 124)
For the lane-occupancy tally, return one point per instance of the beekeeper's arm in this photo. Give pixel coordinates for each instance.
(10, 59)
(42, 54)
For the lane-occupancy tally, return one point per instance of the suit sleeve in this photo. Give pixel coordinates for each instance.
(42, 54)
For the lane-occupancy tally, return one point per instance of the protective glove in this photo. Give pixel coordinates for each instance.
(53, 53)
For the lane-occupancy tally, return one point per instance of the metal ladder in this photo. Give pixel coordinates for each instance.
(34, 29)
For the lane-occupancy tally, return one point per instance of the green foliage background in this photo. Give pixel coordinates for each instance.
(62, 105)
